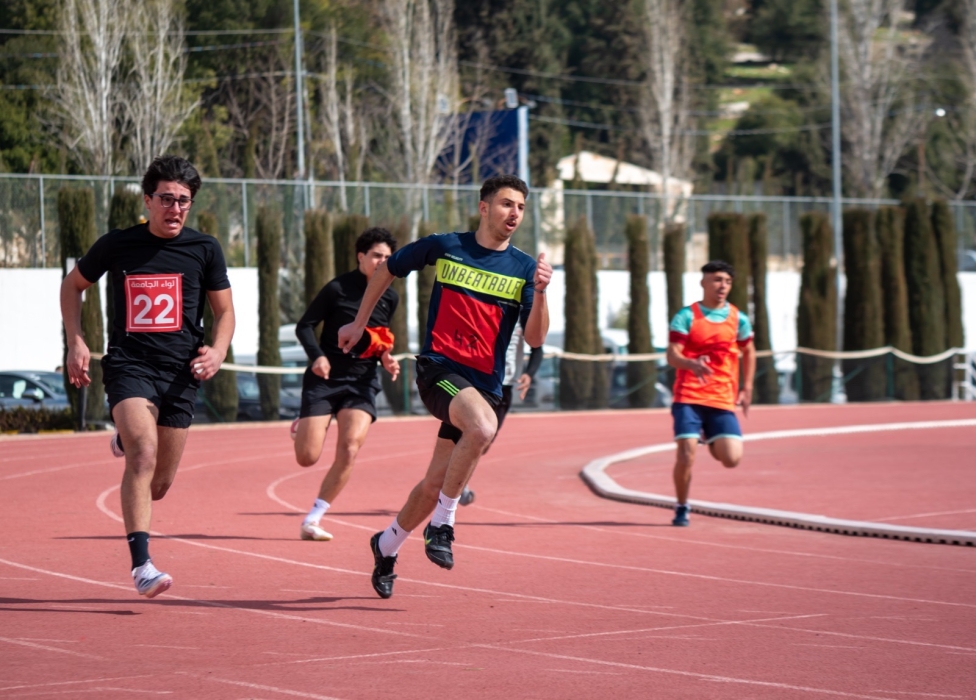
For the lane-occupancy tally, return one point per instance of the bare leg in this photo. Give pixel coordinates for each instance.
(171, 442)
(135, 420)
(310, 438)
(353, 428)
(423, 498)
(478, 424)
(683, 462)
(728, 451)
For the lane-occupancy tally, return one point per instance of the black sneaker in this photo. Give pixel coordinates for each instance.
(383, 575)
(437, 545)
(467, 497)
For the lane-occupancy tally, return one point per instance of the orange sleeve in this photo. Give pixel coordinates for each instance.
(380, 340)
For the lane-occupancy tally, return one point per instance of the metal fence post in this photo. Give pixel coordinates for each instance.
(589, 212)
(536, 214)
(40, 189)
(426, 201)
(786, 230)
(247, 240)
(366, 199)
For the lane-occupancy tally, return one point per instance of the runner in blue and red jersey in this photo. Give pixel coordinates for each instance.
(484, 287)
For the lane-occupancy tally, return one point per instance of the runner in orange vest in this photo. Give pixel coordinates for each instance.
(704, 345)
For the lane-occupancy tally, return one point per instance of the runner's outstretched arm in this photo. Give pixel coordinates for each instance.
(209, 358)
(78, 354)
(350, 333)
(537, 325)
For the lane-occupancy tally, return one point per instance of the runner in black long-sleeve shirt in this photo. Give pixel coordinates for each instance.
(340, 384)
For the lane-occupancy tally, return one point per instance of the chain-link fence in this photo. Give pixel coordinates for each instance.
(29, 225)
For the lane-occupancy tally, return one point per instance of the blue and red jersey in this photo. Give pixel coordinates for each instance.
(478, 298)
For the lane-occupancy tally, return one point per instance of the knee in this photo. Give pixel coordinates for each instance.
(159, 490)
(141, 458)
(481, 433)
(731, 461)
(349, 448)
(305, 459)
(686, 455)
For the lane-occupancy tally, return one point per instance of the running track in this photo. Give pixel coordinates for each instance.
(556, 594)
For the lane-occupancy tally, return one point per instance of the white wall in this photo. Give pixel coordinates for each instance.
(30, 317)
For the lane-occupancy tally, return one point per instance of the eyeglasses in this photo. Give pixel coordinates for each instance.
(168, 200)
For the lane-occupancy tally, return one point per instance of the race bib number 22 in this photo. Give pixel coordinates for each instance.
(153, 303)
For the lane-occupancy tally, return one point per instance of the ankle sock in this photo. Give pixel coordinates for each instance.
(444, 512)
(138, 548)
(392, 539)
(319, 509)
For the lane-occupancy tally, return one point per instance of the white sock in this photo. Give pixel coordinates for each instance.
(318, 510)
(392, 539)
(444, 513)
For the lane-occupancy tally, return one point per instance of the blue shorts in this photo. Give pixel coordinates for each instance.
(690, 420)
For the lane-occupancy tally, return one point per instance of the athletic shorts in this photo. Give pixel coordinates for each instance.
(690, 420)
(326, 397)
(438, 386)
(171, 388)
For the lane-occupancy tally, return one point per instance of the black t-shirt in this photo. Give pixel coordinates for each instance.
(159, 286)
(336, 305)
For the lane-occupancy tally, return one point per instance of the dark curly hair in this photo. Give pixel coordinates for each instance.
(499, 182)
(371, 236)
(719, 266)
(171, 169)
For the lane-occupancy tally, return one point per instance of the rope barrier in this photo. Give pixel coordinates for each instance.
(653, 356)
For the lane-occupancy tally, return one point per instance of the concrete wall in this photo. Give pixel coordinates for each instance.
(30, 317)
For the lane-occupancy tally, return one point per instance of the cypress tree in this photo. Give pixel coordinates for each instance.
(890, 222)
(319, 255)
(425, 287)
(474, 221)
(816, 318)
(863, 310)
(76, 223)
(728, 240)
(398, 325)
(269, 314)
(581, 384)
(640, 375)
(945, 235)
(220, 391)
(124, 211)
(767, 382)
(674, 267)
(926, 298)
(345, 231)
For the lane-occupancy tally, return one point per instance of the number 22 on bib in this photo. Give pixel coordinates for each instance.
(153, 303)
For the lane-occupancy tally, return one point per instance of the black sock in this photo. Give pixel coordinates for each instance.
(138, 548)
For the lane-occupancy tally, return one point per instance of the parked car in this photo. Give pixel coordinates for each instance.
(249, 401)
(967, 261)
(32, 389)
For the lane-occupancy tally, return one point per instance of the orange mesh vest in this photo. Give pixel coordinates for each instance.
(717, 342)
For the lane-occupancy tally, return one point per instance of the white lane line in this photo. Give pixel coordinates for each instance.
(595, 475)
(32, 645)
(100, 690)
(58, 683)
(863, 637)
(686, 674)
(722, 545)
(926, 515)
(210, 603)
(271, 688)
(50, 470)
(589, 635)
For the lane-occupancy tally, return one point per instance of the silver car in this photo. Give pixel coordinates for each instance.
(32, 390)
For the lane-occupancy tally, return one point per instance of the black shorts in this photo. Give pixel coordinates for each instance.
(326, 397)
(171, 388)
(438, 386)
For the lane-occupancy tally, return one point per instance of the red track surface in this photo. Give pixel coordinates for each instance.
(556, 593)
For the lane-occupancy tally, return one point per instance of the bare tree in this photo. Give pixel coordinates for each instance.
(424, 85)
(666, 117)
(963, 117)
(157, 103)
(89, 96)
(880, 116)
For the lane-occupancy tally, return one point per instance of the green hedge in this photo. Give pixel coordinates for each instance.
(345, 231)
(863, 307)
(394, 390)
(269, 315)
(728, 240)
(220, 391)
(124, 211)
(425, 287)
(31, 420)
(766, 389)
(674, 267)
(816, 318)
(641, 376)
(319, 253)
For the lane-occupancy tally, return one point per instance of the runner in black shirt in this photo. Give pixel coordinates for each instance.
(162, 273)
(339, 384)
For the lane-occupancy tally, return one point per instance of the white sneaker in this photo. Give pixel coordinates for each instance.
(150, 582)
(293, 430)
(116, 445)
(312, 531)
